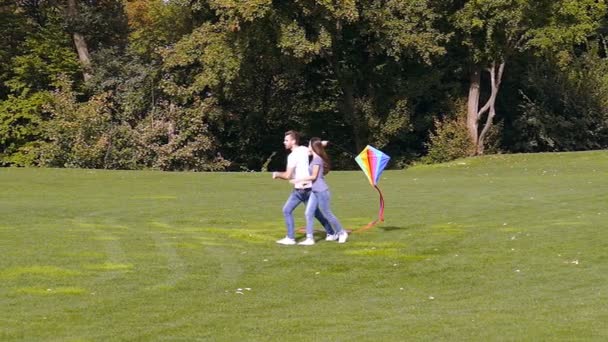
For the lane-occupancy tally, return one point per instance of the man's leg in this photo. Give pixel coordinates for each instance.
(290, 205)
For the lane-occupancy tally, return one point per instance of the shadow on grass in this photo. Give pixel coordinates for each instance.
(393, 228)
(320, 233)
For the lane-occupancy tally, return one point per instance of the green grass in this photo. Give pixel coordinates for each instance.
(495, 248)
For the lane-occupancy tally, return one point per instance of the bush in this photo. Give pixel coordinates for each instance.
(122, 152)
(451, 139)
(91, 135)
(78, 133)
(179, 139)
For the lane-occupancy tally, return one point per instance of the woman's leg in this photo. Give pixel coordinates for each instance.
(311, 208)
(319, 216)
(323, 199)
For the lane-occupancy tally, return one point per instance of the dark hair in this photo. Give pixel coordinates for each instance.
(295, 135)
(317, 146)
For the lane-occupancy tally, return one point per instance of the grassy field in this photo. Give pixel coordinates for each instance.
(496, 248)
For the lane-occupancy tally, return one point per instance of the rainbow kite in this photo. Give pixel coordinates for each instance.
(373, 161)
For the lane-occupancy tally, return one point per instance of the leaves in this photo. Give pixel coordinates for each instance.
(210, 59)
(213, 84)
(496, 29)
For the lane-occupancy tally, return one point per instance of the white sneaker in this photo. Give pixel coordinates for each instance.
(307, 242)
(342, 237)
(331, 237)
(286, 241)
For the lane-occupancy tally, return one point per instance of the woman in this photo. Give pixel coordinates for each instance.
(320, 197)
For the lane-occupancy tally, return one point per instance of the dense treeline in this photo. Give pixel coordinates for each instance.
(212, 85)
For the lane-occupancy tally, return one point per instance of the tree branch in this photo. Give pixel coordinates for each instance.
(488, 103)
(496, 79)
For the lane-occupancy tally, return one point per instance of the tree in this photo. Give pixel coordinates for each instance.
(38, 51)
(272, 65)
(79, 41)
(156, 24)
(564, 109)
(494, 30)
(357, 39)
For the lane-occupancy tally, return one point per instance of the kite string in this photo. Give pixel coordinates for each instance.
(342, 148)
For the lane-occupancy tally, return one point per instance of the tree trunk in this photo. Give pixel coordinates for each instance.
(80, 43)
(349, 111)
(473, 105)
(474, 114)
(346, 82)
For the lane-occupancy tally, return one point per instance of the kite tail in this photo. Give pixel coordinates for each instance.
(380, 213)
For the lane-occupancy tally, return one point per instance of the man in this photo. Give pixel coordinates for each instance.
(297, 167)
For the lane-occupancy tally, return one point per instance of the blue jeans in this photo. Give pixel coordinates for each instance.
(301, 196)
(319, 201)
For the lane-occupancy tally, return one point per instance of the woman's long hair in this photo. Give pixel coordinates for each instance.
(317, 148)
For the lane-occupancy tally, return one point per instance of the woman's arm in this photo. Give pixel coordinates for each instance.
(312, 177)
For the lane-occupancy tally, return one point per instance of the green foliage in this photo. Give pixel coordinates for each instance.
(46, 53)
(492, 29)
(565, 109)
(240, 11)
(20, 121)
(132, 82)
(154, 24)
(77, 135)
(384, 129)
(212, 85)
(104, 23)
(88, 135)
(294, 42)
(122, 149)
(406, 29)
(570, 23)
(206, 59)
(493, 143)
(13, 28)
(451, 139)
(178, 138)
(495, 29)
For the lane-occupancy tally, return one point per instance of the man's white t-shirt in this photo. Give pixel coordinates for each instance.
(298, 158)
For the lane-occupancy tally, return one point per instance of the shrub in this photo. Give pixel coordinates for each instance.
(77, 134)
(20, 120)
(178, 138)
(451, 139)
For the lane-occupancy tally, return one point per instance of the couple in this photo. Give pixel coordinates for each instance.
(309, 187)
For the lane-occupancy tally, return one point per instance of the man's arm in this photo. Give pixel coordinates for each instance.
(284, 175)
